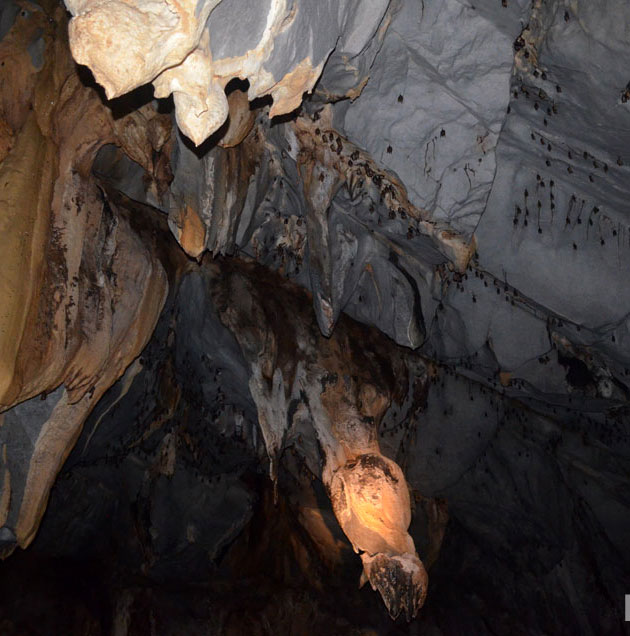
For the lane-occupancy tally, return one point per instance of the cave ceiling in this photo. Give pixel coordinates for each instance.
(320, 278)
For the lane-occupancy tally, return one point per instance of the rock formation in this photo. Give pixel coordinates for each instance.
(310, 280)
(193, 49)
(81, 292)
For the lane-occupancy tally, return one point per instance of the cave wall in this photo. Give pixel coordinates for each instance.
(81, 292)
(449, 175)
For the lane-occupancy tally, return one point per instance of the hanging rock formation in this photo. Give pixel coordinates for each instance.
(193, 49)
(300, 375)
(81, 292)
(394, 320)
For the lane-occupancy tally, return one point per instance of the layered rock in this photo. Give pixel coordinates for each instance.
(363, 237)
(81, 291)
(463, 191)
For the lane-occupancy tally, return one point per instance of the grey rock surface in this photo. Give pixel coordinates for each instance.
(507, 125)
(459, 181)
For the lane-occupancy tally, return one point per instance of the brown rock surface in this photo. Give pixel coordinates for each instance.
(81, 292)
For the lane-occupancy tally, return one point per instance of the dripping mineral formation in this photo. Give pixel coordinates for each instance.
(297, 296)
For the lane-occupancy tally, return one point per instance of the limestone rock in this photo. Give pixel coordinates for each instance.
(194, 49)
(81, 292)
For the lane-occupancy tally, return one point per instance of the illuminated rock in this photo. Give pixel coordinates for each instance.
(193, 49)
(371, 501)
(344, 399)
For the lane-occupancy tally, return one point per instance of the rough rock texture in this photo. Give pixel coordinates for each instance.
(194, 48)
(298, 378)
(81, 293)
(160, 436)
(455, 178)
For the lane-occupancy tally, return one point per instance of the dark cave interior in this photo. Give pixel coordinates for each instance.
(354, 326)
